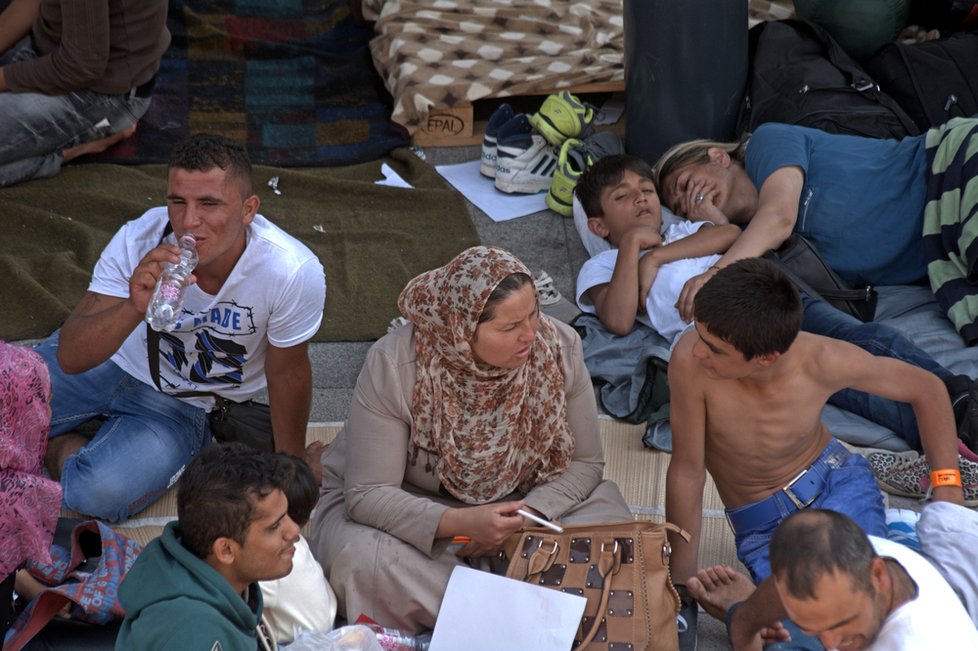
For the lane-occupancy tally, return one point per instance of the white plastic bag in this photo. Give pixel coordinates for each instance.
(345, 638)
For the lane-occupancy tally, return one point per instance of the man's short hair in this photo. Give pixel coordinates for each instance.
(605, 173)
(751, 305)
(218, 493)
(814, 543)
(299, 486)
(202, 152)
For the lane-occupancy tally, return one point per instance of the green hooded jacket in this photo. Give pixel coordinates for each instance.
(175, 601)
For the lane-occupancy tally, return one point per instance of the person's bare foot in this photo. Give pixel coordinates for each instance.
(97, 146)
(59, 449)
(718, 588)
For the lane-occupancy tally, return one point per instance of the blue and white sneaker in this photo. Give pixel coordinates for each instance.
(502, 115)
(525, 161)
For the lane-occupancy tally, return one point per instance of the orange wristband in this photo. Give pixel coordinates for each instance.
(945, 478)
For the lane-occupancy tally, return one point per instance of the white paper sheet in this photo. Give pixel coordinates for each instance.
(485, 612)
(478, 189)
(392, 178)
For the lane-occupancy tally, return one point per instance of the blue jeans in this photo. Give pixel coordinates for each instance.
(878, 339)
(849, 488)
(146, 440)
(35, 128)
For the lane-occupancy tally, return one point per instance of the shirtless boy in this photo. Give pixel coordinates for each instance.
(747, 393)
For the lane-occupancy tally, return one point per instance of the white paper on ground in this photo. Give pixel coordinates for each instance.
(478, 189)
(486, 612)
(392, 178)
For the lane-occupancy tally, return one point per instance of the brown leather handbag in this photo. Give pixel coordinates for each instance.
(622, 569)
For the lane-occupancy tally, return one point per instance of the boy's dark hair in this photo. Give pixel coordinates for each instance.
(218, 492)
(607, 172)
(202, 152)
(811, 544)
(751, 305)
(299, 486)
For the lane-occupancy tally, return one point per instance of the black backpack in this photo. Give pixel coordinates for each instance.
(933, 81)
(799, 75)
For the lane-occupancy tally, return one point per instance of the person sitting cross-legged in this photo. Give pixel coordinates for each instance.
(476, 408)
(75, 77)
(255, 300)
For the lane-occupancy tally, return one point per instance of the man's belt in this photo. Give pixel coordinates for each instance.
(797, 495)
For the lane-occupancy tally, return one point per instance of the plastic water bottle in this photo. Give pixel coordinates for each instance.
(165, 307)
(391, 639)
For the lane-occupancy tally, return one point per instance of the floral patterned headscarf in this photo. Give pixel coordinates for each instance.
(29, 503)
(495, 430)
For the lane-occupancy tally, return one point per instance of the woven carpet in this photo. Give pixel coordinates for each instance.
(639, 472)
(371, 239)
(294, 80)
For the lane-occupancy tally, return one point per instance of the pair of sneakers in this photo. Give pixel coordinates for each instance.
(522, 153)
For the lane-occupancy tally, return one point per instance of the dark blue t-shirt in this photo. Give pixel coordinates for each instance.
(863, 200)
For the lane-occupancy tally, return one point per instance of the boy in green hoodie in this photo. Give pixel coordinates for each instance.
(195, 587)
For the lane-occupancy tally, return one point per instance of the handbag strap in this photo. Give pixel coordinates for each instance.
(609, 562)
(861, 294)
(541, 559)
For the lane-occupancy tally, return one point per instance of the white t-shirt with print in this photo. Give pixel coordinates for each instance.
(274, 295)
(660, 305)
(936, 619)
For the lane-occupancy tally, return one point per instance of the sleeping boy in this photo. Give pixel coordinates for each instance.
(642, 276)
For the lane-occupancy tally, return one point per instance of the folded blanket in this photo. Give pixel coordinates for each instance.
(950, 230)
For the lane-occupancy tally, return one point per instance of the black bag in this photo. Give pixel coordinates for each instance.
(947, 16)
(800, 260)
(799, 75)
(933, 81)
(245, 422)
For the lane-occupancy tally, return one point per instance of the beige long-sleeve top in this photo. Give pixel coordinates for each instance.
(371, 458)
(105, 46)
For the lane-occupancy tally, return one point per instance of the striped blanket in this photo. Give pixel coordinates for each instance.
(951, 222)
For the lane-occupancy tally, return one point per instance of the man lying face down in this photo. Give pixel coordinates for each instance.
(850, 590)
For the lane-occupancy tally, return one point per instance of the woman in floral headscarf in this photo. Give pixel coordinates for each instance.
(29, 503)
(479, 406)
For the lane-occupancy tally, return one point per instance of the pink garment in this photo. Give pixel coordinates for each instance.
(29, 502)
